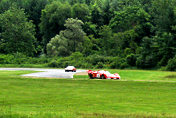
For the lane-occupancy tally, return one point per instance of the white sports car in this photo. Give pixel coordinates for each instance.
(70, 68)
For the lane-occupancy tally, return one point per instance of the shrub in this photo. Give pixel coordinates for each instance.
(53, 63)
(63, 62)
(38, 60)
(171, 66)
(6, 59)
(100, 65)
(128, 51)
(116, 63)
(131, 60)
(86, 65)
(95, 59)
(148, 61)
(22, 60)
(124, 65)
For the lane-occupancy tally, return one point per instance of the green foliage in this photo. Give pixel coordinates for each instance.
(100, 65)
(95, 59)
(106, 40)
(128, 19)
(6, 59)
(18, 34)
(6, 4)
(74, 33)
(20, 58)
(97, 15)
(53, 19)
(118, 5)
(88, 46)
(140, 33)
(124, 65)
(33, 9)
(122, 41)
(81, 11)
(53, 63)
(107, 12)
(69, 40)
(58, 46)
(131, 60)
(171, 66)
(119, 63)
(75, 59)
(148, 61)
(147, 57)
(166, 47)
(78, 60)
(163, 14)
(90, 29)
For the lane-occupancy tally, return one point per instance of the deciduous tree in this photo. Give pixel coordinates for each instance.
(81, 11)
(74, 33)
(69, 40)
(53, 19)
(18, 34)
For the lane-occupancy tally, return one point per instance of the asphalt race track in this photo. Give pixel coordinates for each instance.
(49, 73)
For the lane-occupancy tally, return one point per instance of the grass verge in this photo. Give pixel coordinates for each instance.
(25, 65)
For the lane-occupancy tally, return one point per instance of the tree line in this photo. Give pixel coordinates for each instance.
(135, 33)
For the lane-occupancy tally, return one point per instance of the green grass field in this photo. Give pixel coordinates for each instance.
(139, 94)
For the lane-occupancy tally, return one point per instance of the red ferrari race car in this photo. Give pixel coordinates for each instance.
(101, 74)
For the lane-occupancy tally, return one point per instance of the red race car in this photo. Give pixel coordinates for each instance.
(101, 74)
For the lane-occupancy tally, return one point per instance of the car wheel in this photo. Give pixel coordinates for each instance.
(103, 77)
(91, 76)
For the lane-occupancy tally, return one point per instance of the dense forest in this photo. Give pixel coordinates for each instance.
(89, 33)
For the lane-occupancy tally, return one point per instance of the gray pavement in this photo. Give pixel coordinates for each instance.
(50, 73)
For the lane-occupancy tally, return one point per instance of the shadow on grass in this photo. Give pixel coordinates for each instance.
(170, 77)
(123, 115)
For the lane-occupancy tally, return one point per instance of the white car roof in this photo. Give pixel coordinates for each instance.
(70, 66)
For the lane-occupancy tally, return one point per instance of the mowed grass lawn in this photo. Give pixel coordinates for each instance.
(135, 96)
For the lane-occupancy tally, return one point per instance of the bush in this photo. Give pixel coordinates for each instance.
(19, 58)
(76, 59)
(131, 60)
(171, 66)
(53, 63)
(100, 65)
(86, 65)
(38, 60)
(95, 59)
(62, 62)
(124, 65)
(116, 62)
(6, 59)
(148, 61)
